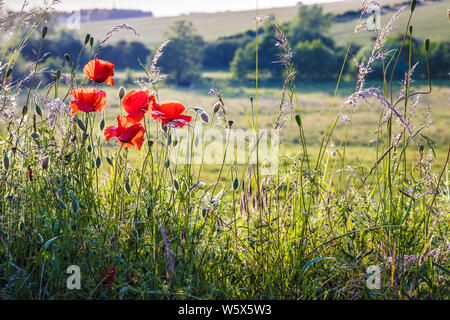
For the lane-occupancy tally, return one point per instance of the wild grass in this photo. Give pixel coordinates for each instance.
(310, 231)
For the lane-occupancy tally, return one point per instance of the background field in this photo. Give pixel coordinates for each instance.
(430, 20)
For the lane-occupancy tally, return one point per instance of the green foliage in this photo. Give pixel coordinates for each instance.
(219, 54)
(309, 24)
(244, 64)
(125, 54)
(315, 61)
(183, 54)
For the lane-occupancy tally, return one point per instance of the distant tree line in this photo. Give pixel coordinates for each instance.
(315, 55)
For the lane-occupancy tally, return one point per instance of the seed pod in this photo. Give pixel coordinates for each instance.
(81, 125)
(102, 125)
(122, 92)
(150, 143)
(236, 184)
(45, 162)
(6, 161)
(44, 32)
(38, 110)
(230, 123)
(98, 162)
(75, 206)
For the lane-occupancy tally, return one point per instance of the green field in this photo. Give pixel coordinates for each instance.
(430, 21)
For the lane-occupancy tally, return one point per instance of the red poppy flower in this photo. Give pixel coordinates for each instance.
(128, 133)
(109, 279)
(100, 71)
(136, 103)
(88, 100)
(170, 113)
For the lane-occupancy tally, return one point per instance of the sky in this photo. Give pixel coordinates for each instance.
(162, 8)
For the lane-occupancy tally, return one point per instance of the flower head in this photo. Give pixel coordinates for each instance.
(100, 71)
(128, 133)
(109, 279)
(136, 103)
(88, 100)
(170, 113)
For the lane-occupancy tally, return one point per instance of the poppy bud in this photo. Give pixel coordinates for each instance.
(35, 135)
(38, 110)
(75, 205)
(98, 162)
(81, 125)
(204, 116)
(46, 56)
(24, 110)
(102, 125)
(217, 106)
(122, 92)
(45, 162)
(6, 162)
(230, 123)
(251, 99)
(8, 73)
(86, 40)
(109, 160)
(62, 205)
(66, 55)
(298, 120)
(150, 143)
(236, 184)
(44, 32)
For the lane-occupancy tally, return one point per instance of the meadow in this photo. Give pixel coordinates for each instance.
(358, 208)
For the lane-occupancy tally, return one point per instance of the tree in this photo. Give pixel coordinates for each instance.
(125, 54)
(268, 56)
(310, 24)
(182, 56)
(315, 61)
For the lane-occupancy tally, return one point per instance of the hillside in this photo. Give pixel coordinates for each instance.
(430, 20)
